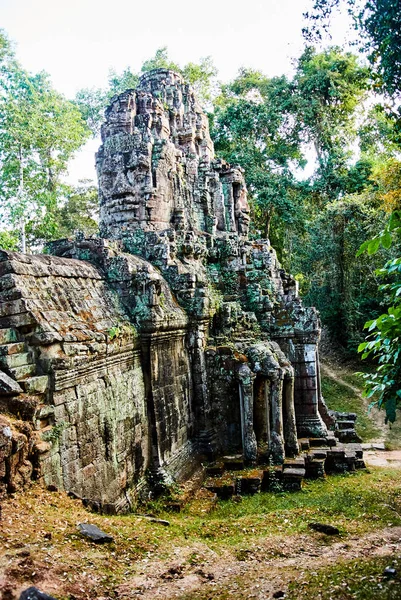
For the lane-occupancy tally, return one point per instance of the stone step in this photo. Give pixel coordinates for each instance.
(315, 468)
(298, 462)
(317, 442)
(13, 348)
(345, 416)
(16, 360)
(360, 464)
(345, 424)
(354, 447)
(215, 469)
(338, 452)
(331, 439)
(7, 336)
(315, 453)
(249, 483)
(348, 435)
(233, 463)
(224, 487)
(303, 443)
(23, 372)
(351, 460)
(336, 461)
(293, 472)
(292, 478)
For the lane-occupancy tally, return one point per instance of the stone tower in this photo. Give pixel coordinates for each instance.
(157, 168)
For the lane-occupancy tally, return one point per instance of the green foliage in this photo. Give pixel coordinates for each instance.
(93, 101)
(383, 343)
(359, 579)
(120, 330)
(253, 125)
(215, 298)
(9, 240)
(39, 132)
(378, 23)
(329, 87)
(77, 210)
(322, 255)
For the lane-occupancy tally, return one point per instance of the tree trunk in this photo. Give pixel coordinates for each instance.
(20, 198)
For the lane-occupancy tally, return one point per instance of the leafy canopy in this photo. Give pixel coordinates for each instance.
(383, 343)
(39, 132)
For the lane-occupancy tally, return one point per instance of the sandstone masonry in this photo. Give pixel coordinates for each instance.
(171, 337)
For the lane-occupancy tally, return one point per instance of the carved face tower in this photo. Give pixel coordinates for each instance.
(156, 166)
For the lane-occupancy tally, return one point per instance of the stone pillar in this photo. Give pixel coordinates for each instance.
(276, 433)
(290, 425)
(307, 390)
(261, 423)
(204, 428)
(249, 445)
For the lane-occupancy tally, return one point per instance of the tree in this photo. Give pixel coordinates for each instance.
(329, 88)
(78, 211)
(93, 101)
(342, 287)
(253, 125)
(378, 22)
(39, 132)
(383, 343)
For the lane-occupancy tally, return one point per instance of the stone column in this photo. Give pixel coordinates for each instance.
(204, 427)
(261, 423)
(276, 432)
(290, 425)
(307, 390)
(249, 445)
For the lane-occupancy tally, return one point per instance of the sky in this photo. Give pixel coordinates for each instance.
(78, 41)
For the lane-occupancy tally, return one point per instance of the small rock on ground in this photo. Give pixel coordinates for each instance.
(323, 528)
(32, 593)
(94, 533)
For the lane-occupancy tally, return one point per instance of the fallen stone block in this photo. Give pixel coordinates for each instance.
(323, 528)
(8, 386)
(94, 533)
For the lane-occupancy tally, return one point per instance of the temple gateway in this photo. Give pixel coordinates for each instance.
(172, 338)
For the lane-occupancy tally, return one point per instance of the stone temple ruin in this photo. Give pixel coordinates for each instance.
(171, 338)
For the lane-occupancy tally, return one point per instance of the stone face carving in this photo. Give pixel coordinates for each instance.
(172, 336)
(157, 168)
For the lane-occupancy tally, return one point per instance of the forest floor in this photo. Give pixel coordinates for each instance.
(257, 547)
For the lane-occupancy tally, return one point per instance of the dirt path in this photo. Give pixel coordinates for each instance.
(375, 453)
(328, 371)
(260, 572)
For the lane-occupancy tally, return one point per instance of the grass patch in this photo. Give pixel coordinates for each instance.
(45, 525)
(355, 503)
(341, 398)
(360, 579)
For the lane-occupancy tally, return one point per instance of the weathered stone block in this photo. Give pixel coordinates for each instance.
(8, 386)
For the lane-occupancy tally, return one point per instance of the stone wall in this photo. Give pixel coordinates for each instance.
(76, 371)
